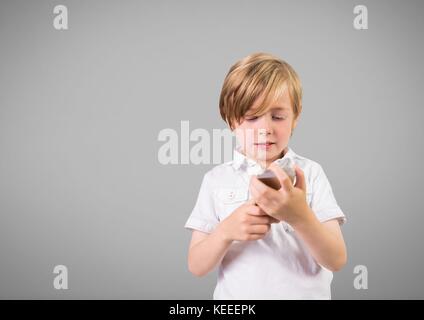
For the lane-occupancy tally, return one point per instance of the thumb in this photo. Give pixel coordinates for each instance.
(250, 202)
(300, 178)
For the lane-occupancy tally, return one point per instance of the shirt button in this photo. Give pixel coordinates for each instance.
(231, 195)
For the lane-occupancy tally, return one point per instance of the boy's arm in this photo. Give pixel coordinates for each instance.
(206, 251)
(324, 240)
(247, 222)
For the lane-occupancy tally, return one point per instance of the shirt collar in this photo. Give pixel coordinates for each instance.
(241, 162)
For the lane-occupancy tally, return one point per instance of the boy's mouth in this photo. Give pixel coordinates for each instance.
(264, 145)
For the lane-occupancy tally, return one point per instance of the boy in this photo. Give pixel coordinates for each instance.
(269, 244)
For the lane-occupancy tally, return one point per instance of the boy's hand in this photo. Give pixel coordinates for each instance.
(289, 202)
(247, 222)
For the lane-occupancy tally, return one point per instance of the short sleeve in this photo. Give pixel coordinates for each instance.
(203, 217)
(323, 202)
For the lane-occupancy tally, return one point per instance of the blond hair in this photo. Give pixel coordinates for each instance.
(253, 76)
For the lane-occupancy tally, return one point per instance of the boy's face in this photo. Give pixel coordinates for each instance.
(263, 138)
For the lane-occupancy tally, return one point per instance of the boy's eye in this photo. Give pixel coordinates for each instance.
(274, 117)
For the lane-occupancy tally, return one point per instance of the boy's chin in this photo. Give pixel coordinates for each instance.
(266, 155)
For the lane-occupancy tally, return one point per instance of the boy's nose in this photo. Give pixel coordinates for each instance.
(265, 126)
(264, 132)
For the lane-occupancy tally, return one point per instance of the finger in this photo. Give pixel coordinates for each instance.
(258, 185)
(273, 220)
(300, 178)
(261, 220)
(265, 202)
(255, 236)
(265, 206)
(259, 216)
(250, 202)
(256, 211)
(285, 181)
(262, 217)
(258, 228)
(260, 189)
(253, 193)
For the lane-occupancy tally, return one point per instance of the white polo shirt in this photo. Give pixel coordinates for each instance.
(278, 266)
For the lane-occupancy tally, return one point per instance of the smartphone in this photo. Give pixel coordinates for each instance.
(269, 178)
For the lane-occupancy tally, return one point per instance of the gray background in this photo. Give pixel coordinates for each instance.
(80, 112)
